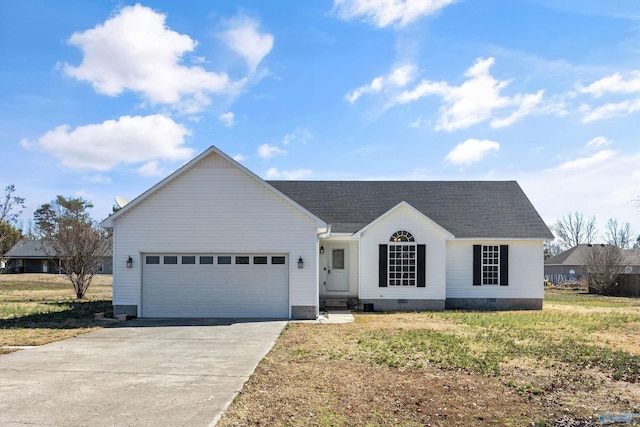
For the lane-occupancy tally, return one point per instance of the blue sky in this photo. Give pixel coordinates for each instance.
(105, 98)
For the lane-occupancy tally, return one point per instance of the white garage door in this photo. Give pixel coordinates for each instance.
(215, 285)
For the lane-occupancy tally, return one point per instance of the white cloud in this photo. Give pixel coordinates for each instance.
(605, 187)
(128, 140)
(398, 78)
(97, 179)
(586, 162)
(301, 135)
(527, 104)
(383, 13)
(267, 151)
(598, 141)
(471, 151)
(135, 50)
(151, 169)
(610, 110)
(227, 119)
(274, 173)
(416, 123)
(615, 83)
(239, 158)
(244, 38)
(475, 100)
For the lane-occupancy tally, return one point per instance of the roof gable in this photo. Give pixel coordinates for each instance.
(108, 222)
(411, 208)
(467, 209)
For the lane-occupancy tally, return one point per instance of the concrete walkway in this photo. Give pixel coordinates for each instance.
(331, 317)
(141, 372)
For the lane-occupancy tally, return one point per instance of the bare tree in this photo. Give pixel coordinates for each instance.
(551, 249)
(619, 235)
(603, 264)
(574, 229)
(11, 206)
(77, 240)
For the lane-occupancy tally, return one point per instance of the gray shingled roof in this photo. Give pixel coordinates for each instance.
(27, 248)
(30, 249)
(577, 254)
(468, 209)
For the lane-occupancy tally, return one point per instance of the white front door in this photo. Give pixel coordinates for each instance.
(337, 271)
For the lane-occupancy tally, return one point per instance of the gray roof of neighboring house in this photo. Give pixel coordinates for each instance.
(30, 249)
(576, 255)
(467, 209)
(37, 249)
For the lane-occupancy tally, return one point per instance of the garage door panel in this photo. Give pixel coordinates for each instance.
(215, 290)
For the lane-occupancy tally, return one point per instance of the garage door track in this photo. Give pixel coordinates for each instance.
(142, 372)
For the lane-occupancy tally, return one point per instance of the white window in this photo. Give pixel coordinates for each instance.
(401, 258)
(490, 265)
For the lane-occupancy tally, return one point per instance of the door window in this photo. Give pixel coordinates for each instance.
(338, 259)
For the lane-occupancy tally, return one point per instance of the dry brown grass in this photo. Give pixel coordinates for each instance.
(331, 375)
(37, 309)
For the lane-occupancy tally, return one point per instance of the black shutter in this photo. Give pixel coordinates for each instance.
(477, 265)
(422, 266)
(382, 266)
(504, 265)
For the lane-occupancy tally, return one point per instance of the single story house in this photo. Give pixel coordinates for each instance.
(37, 256)
(568, 266)
(215, 240)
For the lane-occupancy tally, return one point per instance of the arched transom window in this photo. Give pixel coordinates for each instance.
(402, 259)
(402, 236)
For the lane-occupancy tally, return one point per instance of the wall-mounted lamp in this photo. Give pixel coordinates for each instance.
(300, 263)
(321, 249)
(129, 263)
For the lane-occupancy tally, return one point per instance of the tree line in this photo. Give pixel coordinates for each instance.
(575, 229)
(605, 260)
(66, 231)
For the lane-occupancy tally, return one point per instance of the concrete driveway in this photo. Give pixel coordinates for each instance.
(142, 372)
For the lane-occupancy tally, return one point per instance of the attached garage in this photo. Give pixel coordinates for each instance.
(215, 285)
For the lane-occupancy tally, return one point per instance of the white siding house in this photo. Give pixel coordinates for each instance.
(216, 211)
(215, 240)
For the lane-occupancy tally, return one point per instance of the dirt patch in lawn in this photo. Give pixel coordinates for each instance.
(449, 368)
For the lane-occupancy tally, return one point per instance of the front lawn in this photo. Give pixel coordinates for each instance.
(576, 359)
(37, 309)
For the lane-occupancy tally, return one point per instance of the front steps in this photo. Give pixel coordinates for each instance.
(338, 303)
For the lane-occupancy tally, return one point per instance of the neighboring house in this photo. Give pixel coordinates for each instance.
(215, 240)
(36, 256)
(568, 266)
(32, 256)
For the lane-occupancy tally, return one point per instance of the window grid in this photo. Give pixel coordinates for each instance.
(490, 265)
(210, 259)
(402, 265)
(402, 236)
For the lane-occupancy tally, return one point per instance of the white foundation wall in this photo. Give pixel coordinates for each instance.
(425, 232)
(526, 270)
(214, 207)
